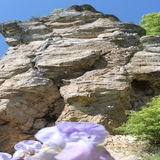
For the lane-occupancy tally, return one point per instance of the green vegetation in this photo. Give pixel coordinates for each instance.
(23, 43)
(56, 18)
(155, 157)
(145, 123)
(151, 23)
(57, 10)
(17, 22)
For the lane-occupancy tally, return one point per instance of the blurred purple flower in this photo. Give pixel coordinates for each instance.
(74, 141)
(88, 131)
(83, 151)
(51, 136)
(71, 132)
(66, 140)
(46, 153)
(26, 148)
(5, 156)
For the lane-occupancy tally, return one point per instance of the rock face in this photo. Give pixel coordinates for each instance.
(76, 64)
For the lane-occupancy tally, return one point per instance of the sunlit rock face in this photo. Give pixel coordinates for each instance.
(76, 64)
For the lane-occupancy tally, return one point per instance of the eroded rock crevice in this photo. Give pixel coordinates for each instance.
(142, 93)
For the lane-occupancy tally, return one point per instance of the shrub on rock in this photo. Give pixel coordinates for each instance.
(145, 123)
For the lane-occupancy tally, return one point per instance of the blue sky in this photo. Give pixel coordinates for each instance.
(125, 10)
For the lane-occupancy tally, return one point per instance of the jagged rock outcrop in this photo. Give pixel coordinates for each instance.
(77, 64)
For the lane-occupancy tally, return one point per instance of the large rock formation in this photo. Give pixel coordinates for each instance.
(76, 64)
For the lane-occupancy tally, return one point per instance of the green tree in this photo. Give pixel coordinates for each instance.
(145, 123)
(151, 23)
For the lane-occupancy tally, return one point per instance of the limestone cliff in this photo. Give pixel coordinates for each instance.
(77, 64)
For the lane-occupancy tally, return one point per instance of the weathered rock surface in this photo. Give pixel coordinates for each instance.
(74, 65)
(126, 147)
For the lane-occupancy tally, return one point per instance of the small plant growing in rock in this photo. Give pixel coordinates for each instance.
(57, 10)
(145, 123)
